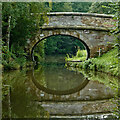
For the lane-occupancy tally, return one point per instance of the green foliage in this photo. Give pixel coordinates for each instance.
(5, 91)
(70, 6)
(109, 81)
(108, 63)
(102, 8)
(11, 61)
(67, 57)
(61, 7)
(62, 45)
(37, 57)
(81, 55)
(16, 81)
(24, 24)
(81, 6)
(27, 25)
(12, 65)
(39, 51)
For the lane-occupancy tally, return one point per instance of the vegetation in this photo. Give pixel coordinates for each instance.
(70, 6)
(16, 35)
(81, 55)
(19, 25)
(39, 52)
(102, 8)
(106, 63)
(60, 44)
(112, 64)
(21, 22)
(18, 87)
(109, 81)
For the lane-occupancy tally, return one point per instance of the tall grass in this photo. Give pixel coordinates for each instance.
(108, 63)
(81, 55)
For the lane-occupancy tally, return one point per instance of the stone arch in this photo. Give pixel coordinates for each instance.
(77, 38)
(92, 29)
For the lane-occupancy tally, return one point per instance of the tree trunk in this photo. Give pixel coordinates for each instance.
(8, 33)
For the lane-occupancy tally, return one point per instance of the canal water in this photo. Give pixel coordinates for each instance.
(51, 90)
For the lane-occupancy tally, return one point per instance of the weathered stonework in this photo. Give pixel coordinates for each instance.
(78, 19)
(91, 29)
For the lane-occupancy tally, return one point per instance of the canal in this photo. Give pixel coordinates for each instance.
(51, 90)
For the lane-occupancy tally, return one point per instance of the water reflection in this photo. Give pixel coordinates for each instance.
(50, 87)
(18, 103)
(55, 79)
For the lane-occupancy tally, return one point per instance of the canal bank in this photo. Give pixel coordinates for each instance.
(107, 63)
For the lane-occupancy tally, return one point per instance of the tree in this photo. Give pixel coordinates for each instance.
(70, 6)
(61, 7)
(61, 44)
(21, 21)
(81, 6)
(102, 8)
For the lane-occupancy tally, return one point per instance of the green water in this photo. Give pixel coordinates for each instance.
(46, 89)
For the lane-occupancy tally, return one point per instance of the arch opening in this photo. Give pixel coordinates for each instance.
(72, 46)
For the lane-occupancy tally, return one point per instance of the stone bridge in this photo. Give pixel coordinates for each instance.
(93, 30)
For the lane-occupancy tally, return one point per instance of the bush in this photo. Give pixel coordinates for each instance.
(12, 61)
(81, 53)
(12, 65)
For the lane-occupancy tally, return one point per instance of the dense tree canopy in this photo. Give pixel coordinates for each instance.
(62, 45)
(70, 6)
(102, 8)
(23, 24)
(20, 21)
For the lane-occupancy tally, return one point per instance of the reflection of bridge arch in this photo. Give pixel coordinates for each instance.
(55, 92)
(85, 45)
(93, 29)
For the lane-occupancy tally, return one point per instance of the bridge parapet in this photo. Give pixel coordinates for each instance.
(77, 19)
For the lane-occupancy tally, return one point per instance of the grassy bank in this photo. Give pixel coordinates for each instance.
(81, 55)
(108, 63)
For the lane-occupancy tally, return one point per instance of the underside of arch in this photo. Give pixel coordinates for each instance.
(85, 45)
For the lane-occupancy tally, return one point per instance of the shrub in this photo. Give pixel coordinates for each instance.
(11, 60)
(81, 53)
(12, 65)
